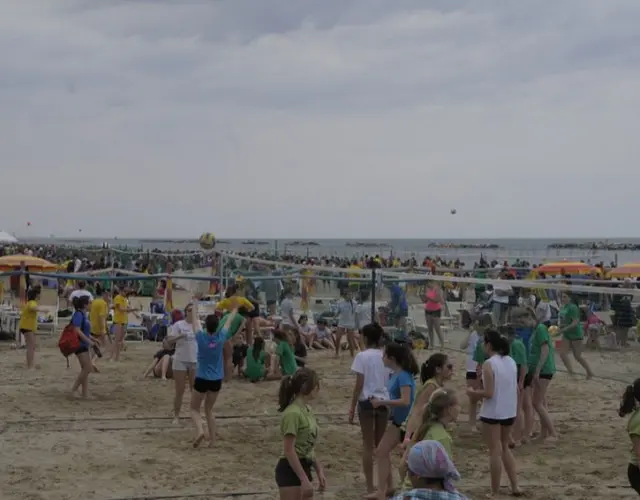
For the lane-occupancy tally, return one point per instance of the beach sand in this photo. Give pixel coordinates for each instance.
(121, 442)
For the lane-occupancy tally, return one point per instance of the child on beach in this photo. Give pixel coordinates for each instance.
(258, 360)
(308, 334)
(630, 405)
(401, 361)
(434, 372)
(299, 429)
(469, 345)
(209, 371)
(161, 364)
(518, 353)
(323, 335)
(442, 409)
(285, 360)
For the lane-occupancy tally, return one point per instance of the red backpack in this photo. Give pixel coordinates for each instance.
(69, 341)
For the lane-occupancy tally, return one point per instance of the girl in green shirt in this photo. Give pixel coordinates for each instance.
(518, 353)
(630, 405)
(572, 334)
(442, 410)
(542, 367)
(285, 364)
(299, 430)
(257, 361)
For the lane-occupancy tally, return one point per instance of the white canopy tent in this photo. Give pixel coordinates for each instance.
(7, 238)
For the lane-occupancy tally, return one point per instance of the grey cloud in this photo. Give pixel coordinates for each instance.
(303, 108)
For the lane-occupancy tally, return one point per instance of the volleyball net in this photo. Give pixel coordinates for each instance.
(615, 302)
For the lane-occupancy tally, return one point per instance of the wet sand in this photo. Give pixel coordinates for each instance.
(121, 443)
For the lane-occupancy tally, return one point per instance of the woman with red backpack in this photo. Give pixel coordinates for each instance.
(82, 326)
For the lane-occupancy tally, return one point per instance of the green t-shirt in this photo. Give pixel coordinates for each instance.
(568, 314)
(633, 429)
(298, 420)
(518, 352)
(255, 367)
(539, 338)
(235, 325)
(287, 358)
(480, 355)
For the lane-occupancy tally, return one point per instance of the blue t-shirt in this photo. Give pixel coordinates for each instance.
(401, 379)
(80, 321)
(210, 365)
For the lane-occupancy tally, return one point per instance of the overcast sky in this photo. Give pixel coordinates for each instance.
(320, 118)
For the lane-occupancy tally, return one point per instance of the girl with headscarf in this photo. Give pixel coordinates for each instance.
(432, 473)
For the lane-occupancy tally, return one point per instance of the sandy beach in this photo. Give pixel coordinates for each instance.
(121, 443)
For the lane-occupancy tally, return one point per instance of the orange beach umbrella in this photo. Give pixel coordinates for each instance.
(629, 270)
(11, 262)
(566, 267)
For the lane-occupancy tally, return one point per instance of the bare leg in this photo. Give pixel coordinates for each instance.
(180, 379)
(196, 402)
(564, 355)
(30, 340)
(209, 401)
(507, 459)
(577, 347)
(83, 377)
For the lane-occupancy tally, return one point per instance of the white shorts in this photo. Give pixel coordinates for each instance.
(182, 366)
(350, 328)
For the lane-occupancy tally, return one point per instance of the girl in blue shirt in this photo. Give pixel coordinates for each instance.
(402, 387)
(210, 370)
(83, 328)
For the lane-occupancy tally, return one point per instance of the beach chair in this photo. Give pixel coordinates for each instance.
(451, 314)
(48, 321)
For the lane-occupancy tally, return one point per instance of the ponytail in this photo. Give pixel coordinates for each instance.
(285, 393)
(303, 382)
(439, 402)
(629, 398)
(430, 367)
(498, 343)
(403, 356)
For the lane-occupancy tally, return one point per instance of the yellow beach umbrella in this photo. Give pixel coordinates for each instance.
(11, 262)
(567, 267)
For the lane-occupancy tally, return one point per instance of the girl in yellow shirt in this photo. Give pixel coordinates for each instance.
(29, 323)
(121, 312)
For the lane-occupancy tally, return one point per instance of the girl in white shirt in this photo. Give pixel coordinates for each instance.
(346, 308)
(372, 377)
(469, 345)
(499, 408)
(182, 335)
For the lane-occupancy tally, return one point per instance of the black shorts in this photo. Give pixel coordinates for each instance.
(471, 376)
(23, 331)
(403, 432)
(528, 378)
(433, 314)
(81, 349)
(202, 385)
(286, 476)
(366, 407)
(164, 352)
(504, 422)
(633, 474)
(255, 312)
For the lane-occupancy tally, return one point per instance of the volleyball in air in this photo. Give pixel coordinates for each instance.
(207, 241)
(453, 211)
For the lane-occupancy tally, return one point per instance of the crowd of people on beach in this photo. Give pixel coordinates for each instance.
(399, 403)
